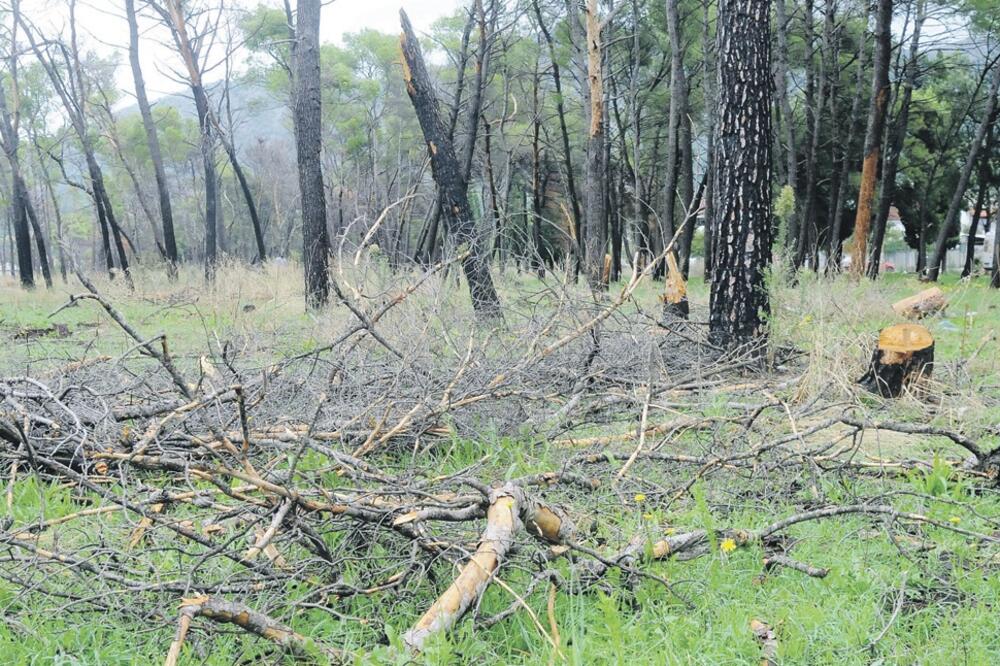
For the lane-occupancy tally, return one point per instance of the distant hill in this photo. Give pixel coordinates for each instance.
(258, 115)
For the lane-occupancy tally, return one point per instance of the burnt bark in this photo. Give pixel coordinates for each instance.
(595, 238)
(19, 217)
(739, 301)
(308, 144)
(152, 141)
(447, 173)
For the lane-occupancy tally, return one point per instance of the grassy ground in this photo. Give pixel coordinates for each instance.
(884, 601)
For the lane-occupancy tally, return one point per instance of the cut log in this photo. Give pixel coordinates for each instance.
(904, 355)
(920, 305)
(674, 297)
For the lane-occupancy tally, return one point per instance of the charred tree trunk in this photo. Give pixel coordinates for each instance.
(739, 300)
(152, 141)
(835, 249)
(29, 210)
(176, 21)
(895, 144)
(788, 122)
(873, 135)
(567, 155)
(815, 92)
(984, 185)
(447, 173)
(708, 47)
(950, 224)
(594, 231)
(678, 109)
(19, 218)
(536, 178)
(308, 144)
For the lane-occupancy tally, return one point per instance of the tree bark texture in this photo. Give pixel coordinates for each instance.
(308, 144)
(739, 300)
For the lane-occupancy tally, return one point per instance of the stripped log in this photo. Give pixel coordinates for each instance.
(920, 305)
(904, 355)
(502, 523)
(244, 617)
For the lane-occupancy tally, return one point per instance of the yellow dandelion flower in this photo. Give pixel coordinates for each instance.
(727, 546)
(640, 497)
(954, 520)
(648, 516)
(670, 530)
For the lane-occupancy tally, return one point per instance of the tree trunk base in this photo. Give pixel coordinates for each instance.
(904, 355)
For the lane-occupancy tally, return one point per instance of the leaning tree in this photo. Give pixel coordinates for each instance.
(742, 226)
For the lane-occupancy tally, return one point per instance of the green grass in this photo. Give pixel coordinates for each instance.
(948, 612)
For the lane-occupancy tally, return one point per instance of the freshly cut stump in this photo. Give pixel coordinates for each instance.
(920, 305)
(905, 354)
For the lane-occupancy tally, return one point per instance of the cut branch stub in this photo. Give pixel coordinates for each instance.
(905, 354)
(920, 305)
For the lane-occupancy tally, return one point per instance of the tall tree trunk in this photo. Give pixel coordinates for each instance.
(948, 227)
(873, 135)
(536, 178)
(985, 178)
(567, 156)
(739, 302)
(896, 142)
(29, 210)
(788, 122)
(678, 108)
(995, 273)
(641, 230)
(709, 76)
(308, 143)
(835, 249)
(815, 92)
(595, 197)
(54, 200)
(19, 218)
(207, 143)
(152, 141)
(447, 173)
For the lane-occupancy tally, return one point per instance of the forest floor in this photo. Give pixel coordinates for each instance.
(897, 590)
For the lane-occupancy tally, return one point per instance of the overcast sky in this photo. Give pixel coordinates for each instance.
(102, 26)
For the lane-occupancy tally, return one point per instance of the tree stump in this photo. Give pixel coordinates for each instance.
(905, 354)
(920, 305)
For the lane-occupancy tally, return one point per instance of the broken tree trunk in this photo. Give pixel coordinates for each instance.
(674, 297)
(447, 173)
(904, 355)
(920, 305)
(502, 523)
